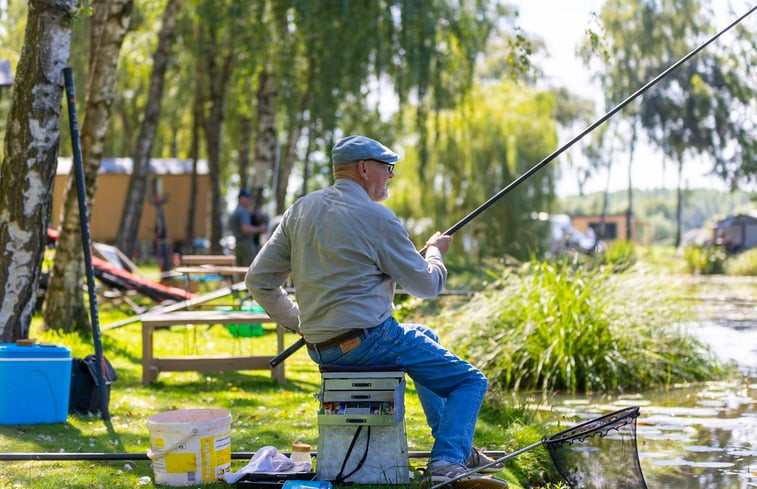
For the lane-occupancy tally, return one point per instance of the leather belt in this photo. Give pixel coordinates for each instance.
(348, 335)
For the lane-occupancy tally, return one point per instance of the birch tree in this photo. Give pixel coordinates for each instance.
(64, 302)
(30, 160)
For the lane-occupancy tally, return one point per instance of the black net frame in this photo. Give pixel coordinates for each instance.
(600, 453)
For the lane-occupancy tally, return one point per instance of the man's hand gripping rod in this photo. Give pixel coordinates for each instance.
(525, 176)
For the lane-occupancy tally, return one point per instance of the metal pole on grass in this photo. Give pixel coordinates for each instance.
(75, 456)
(68, 76)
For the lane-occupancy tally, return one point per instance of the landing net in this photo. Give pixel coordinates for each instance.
(599, 454)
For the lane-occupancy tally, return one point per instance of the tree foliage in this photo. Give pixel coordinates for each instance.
(704, 107)
(479, 148)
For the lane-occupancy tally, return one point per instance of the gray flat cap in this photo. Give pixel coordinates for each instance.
(354, 148)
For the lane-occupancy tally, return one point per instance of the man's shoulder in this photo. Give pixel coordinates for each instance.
(382, 212)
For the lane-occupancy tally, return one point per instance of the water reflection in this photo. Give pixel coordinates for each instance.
(688, 437)
(700, 436)
(684, 444)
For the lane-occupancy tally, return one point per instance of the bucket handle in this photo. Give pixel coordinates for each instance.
(157, 456)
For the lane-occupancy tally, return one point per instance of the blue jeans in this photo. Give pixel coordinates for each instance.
(450, 389)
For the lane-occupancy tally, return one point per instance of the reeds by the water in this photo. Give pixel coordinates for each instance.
(550, 326)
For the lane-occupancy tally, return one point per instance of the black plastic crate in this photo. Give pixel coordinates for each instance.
(262, 480)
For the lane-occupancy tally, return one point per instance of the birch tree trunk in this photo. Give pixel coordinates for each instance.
(245, 137)
(296, 123)
(194, 155)
(64, 302)
(126, 238)
(285, 168)
(679, 201)
(629, 211)
(219, 81)
(28, 168)
(265, 143)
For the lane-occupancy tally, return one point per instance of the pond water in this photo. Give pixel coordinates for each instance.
(701, 436)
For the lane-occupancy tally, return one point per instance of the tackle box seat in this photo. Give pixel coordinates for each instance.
(361, 425)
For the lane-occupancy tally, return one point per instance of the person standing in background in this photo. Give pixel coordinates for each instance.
(246, 233)
(259, 219)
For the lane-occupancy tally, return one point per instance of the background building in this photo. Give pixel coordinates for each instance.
(174, 177)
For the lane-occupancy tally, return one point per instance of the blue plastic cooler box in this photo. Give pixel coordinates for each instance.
(34, 383)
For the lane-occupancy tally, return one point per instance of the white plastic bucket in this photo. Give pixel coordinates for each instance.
(190, 446)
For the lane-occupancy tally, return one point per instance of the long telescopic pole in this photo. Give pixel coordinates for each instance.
(525, 176)
(86, 240)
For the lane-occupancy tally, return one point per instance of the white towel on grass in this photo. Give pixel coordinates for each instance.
(268, 460)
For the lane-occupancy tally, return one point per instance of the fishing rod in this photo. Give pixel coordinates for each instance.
(525, 176)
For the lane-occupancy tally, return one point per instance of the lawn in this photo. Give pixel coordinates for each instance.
(263, 412)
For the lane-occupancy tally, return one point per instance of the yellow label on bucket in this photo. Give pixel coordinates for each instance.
(216, 456)
(177, 463)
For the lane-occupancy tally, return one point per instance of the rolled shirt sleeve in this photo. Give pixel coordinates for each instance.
(265, 277)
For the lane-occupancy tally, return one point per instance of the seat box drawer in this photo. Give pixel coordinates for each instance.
(359, 396)
(361, 383)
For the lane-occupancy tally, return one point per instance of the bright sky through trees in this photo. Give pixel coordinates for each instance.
(561, 25)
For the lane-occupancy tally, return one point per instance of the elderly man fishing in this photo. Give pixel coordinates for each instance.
(345, 253)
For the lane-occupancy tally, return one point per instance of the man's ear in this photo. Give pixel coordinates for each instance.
(362, 169)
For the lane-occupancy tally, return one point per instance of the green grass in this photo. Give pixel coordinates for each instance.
(663, 259)
(744, 263)
(706, 260)
(263, 412)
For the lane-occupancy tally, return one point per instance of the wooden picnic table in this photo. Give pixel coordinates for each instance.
(226, 273)
(211, 270)
(192, 260)
(152, 366)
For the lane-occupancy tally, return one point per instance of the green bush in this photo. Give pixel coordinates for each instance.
(550, 326)
(742, 264)
(621, 255)
(705, 260)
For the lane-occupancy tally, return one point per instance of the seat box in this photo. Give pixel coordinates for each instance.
(34, 383)
(367, 398)
(361, 427)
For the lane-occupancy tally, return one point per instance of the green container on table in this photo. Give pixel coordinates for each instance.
(244, 330)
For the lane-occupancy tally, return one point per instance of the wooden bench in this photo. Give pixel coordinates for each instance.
(152, 366)
(225, 270)
(222, 260)
(208, 266)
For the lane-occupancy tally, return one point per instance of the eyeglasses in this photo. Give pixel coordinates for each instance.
(389, 166)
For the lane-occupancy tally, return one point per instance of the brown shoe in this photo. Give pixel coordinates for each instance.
(479, 459)
(454, 476)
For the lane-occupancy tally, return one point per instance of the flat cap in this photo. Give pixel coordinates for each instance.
(354, 148)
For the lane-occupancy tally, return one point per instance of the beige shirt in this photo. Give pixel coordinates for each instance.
(345, 253)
